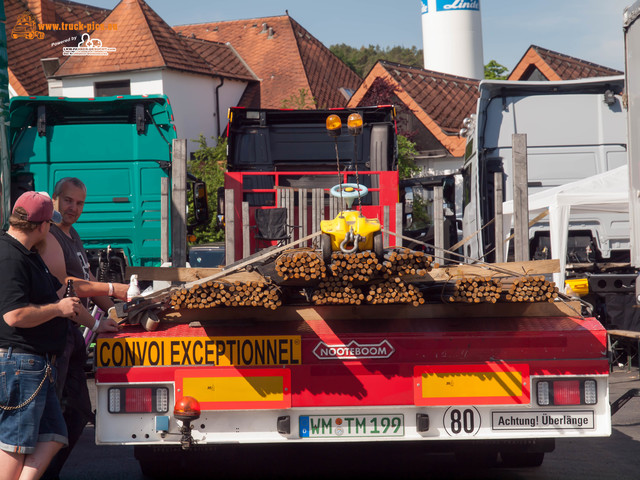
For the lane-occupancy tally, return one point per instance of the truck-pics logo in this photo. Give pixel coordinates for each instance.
(88, 47)
(353, 350)
(26, 27)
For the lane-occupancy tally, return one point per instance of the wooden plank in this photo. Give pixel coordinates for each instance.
(165, 292)
(246, 230)
(399, 222)
(520, 197)
(438, 224)
(531, 267)
(377, 312)
(229, 227)
(624, 333)
(498, 199)
(317, 210)
(302, 213)
(179, 203)
(164, 220)
(182, 274)
(385, 223)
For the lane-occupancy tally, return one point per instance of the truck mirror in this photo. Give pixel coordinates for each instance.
(449, 191)
(200, 203)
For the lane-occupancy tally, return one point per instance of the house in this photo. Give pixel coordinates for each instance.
(287, 59)
(25, 52)
(539, 64)
(431, 108)
(432, 105)
(204, 69)
(146, 56)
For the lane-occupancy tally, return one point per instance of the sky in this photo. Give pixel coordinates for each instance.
(587, 29)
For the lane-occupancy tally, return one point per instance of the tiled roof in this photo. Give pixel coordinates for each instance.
(142, 40)
(251, 96)
(222, 58)
(25, 70)
(440, 101)
(557, 66)
(284, 56)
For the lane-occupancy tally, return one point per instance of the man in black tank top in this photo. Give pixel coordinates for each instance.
(65, 256)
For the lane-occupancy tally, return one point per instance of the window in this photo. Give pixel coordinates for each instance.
(116, 87)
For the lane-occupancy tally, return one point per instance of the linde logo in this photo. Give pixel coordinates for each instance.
(446, 5)
(354, 350)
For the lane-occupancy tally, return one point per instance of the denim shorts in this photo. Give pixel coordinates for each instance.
(41, 419)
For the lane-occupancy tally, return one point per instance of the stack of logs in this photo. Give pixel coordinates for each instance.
(402, 261)
(354, 267)
(508, 289)
(236, 294)
(303, 264)
(357, 278)
(531, 289)
(476, 290)
(394, 291)
(336, 291)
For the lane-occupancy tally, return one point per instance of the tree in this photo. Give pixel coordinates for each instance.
(407, 152)
(381, 92)
(209, 165)
(302, 101)
(362, 59)
(494, 71)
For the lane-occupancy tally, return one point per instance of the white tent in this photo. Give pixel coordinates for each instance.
(606, 192)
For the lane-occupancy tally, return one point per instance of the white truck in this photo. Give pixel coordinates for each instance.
(575, 129)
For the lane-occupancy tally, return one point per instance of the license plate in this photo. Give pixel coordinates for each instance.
(324, 426)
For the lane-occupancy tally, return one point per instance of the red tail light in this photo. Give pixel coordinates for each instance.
(566, 392)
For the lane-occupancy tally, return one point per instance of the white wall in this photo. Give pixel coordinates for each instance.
(192, 97)
(194, 106)
(192, 100)
(144, 82)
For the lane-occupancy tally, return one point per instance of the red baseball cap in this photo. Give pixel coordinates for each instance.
(39, 208)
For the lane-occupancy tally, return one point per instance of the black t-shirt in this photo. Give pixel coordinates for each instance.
(26, 280)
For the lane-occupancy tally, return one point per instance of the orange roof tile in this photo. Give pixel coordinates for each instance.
(142, 40)
(557, 66)
(286, 58)
(24, 54)
(223, 60)
(440, 101)
(17, 86)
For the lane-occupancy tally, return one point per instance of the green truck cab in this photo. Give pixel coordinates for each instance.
(120, 147)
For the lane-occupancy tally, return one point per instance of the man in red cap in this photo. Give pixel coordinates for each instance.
(32, 333)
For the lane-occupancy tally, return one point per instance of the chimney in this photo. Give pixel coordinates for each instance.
(43, 10)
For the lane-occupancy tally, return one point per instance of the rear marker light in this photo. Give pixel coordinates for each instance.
(114, 400)
(543, 393)
(567, 392)
(162, 400)
(590, 392)
(138, 400)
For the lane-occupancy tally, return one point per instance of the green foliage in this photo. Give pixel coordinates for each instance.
(362, 59)
(420, 217)
(381, 92)
(494, 71)
(302, 101)
(209, 165)
(407, 152)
